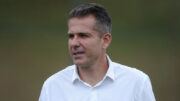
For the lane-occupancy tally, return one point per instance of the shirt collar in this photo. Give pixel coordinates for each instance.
(110, 72)
(75, 75)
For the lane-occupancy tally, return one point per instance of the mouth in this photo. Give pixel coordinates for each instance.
(77, 53)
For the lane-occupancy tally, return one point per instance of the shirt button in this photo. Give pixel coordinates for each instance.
(93, 95)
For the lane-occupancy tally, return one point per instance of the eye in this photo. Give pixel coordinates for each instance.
(70, 36)
(83, 35)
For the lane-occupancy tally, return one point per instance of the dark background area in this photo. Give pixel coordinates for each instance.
(33, 43)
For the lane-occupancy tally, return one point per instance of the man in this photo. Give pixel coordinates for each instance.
(94, 77)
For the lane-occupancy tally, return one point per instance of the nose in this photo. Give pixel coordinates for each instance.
(74, 43)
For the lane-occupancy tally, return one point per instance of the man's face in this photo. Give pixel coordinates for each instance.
(85, 45)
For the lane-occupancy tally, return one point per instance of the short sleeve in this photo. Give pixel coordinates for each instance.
(43, 95)
(145, 92)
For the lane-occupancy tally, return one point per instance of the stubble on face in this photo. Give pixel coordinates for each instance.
(84, 41)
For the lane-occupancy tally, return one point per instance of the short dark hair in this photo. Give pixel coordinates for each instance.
(103, 20)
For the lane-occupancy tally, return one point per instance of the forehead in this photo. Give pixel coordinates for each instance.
(90, 19)
(81, 23)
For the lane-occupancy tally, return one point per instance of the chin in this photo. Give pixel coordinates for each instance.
(77, 62)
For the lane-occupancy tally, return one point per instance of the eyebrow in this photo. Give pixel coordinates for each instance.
(81, 33)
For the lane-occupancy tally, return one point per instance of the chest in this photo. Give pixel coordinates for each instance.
(103, 93)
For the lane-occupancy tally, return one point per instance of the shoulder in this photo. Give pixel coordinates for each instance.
(136, 80)
(62, 76)
(129, 72)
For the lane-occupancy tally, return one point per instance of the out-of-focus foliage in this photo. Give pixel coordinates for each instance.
(33, 43)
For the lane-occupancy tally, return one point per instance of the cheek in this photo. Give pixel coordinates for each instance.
(69, 47)
(93, 46)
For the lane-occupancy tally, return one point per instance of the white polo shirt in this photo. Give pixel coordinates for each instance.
(121, 83)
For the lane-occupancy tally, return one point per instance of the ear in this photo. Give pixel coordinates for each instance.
(107, 37)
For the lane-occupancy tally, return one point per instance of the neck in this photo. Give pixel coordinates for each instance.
(95, 72)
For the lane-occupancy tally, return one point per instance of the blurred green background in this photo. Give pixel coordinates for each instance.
(33, 43)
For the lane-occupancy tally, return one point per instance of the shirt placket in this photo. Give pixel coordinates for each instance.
(93, 95)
